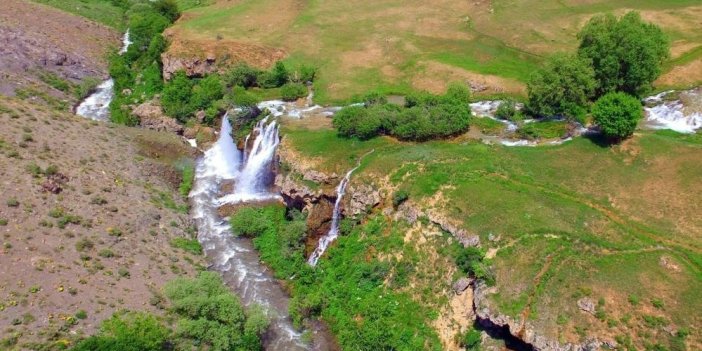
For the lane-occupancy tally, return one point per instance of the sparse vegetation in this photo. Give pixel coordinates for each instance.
(190, 245)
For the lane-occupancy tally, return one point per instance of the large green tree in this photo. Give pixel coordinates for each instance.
(563, 86)
(617, 115)
(626, 52)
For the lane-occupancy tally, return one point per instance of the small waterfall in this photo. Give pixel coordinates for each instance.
(333, 233)
(235, 258)
(255, 176)
(673, 114)
(96, 106)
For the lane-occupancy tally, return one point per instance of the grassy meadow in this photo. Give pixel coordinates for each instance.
(615, 224)
(396, 46)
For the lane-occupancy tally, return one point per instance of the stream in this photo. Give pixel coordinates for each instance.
(97, 105)
(235, 258)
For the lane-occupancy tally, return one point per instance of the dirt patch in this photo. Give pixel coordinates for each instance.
(102, 243)
(687, 74)
(36, 38)
(436, 77)
(201, 57)
(455, 319)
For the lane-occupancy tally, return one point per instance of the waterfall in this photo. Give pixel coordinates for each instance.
(235, 258)
(673, 114)
(255, 176)
(96, 106)
(333, 233)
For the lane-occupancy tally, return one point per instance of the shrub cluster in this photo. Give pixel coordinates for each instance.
(209, 316)
(423, 117)
(347, 285)
(183, 96)
(137, 72)
(615, 55)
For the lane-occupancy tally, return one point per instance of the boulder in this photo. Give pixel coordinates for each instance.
(361, 198)
(587, 304)
(461, 285)
(152, 117)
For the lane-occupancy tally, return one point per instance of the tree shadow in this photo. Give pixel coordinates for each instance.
(600, 140)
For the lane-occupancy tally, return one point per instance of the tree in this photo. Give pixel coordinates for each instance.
(175, 98)
(617, 114)
(207, 91)
(562, 87)
(626, 53)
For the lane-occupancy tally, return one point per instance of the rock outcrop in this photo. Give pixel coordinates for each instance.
(522, 330)
(361, 198)
(151, 116)
(192, 66)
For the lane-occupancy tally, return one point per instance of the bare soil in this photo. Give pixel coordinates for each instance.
(35, 38)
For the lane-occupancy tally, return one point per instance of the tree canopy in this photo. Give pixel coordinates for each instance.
(617, 115)
(563, 86)
(626, 53)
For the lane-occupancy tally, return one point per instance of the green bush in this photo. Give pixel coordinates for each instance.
(242, 98)
(471, 260)
(471, 340)
(293, 91)
(176, 95)
(242, 75)
(562, 87)
(617, 115)
(189, 245)
(206, 91)
(423, 118)
(248, 222)
(168, 9)
(132, 331)
(508, 111)
(626, 53)
(210, 315)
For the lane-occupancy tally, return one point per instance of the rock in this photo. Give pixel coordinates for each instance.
(361, 198)
(460, 234)
(469, 241)
(200, 116)
(587, 304)
(461, 285)
(152, 117)
(53, 183)
(193, 66)
(317, 177)
(408, 212)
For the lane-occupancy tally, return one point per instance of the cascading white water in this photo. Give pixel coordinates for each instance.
(96, 106)
(235, 258)
(673, 114)
(333, 233)
(253, 180)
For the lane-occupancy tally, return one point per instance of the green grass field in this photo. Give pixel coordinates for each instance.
(397, 46)
(603, 218)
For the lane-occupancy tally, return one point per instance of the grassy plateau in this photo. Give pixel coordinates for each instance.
(397, 46)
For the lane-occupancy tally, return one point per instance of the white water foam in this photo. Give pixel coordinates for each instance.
(235, 258)
(252, 182)
(333, 233)
(96, 106)
(671, 114)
